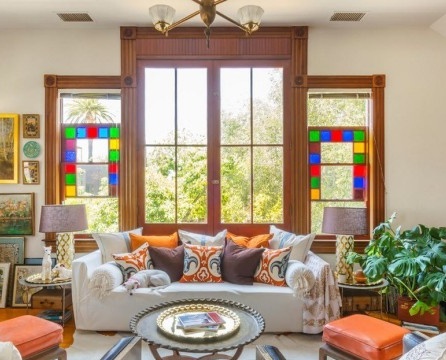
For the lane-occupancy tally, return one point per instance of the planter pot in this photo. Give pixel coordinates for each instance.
(428, 318)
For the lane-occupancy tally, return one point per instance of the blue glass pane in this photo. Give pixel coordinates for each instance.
(70, 156)
(325, 135)
(81, 133)
(347, 135)
(103, 133)
(315, 158)
(358, 183)
(113, 179)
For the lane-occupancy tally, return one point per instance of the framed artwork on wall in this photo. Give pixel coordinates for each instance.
(12, 251)
(31, 125)
(17, 214)
(21, 295)
(9, 148)
(30, 172)
(4, 280)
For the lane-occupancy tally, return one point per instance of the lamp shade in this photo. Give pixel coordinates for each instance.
(162, 13)
(63, 218)
(250, 14)
(345, 221)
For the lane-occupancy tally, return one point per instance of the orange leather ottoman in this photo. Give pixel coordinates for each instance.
(362, 337)
(35, 338)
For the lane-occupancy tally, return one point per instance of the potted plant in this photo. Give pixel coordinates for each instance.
(413, 261)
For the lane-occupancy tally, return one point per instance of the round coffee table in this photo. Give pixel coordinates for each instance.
(144, 324)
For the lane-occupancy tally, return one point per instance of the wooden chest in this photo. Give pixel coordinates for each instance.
(360, 300)
(51, 299)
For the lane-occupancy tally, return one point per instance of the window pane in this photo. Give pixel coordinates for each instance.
(92, 150)
(92, 180)
(235, 103)
(337, 153)
(192, 185)
(160, 106)
(336, 182)
(235, 185)
(91, 108)
(268, 184)
(267, 91)
(192, 106)
(160, 185)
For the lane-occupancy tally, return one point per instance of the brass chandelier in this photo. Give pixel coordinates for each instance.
(249, 17)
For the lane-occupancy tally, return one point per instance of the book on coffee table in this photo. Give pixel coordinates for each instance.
(211, 320)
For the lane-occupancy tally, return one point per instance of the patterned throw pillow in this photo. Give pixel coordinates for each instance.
(301, 244)
(273, 266)
(131, 263)
(257, 241)
(202, 263)
(201, 239)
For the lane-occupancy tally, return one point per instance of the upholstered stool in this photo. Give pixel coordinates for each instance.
(35, 338)
(362, 337)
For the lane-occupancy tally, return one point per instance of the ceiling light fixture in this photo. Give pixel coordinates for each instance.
(249, 17)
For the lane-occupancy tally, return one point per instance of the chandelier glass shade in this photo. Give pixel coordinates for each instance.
(249, 16)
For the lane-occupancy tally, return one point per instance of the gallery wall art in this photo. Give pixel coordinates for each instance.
(17, 214)
(9, 148)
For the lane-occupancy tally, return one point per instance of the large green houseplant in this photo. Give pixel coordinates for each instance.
(413, 261)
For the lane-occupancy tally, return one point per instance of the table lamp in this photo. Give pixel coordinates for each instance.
(63, 220)
(344, 223)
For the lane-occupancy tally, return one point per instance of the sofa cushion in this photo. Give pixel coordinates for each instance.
(256, 241)
(187, 237)
(301, 244)
(105, 278)
(131, 263)
(169, 241)
(240, 263)
(202, 263)
(300, 278)
(432, 349)
(169, 260)
(114, 243)
(273, 266)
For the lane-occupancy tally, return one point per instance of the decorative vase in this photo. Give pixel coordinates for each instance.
(428, 318)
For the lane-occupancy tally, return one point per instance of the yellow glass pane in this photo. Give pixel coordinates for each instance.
(114, 144)
(70, 191)
(315, 194)
(358, 147)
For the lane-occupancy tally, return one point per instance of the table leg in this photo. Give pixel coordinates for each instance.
(177, 356)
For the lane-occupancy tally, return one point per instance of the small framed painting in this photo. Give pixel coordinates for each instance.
(9, 148)
(12, 251)
(21, 296)
(4, 280)
(17, 214)
(30, 172)
(31, 125)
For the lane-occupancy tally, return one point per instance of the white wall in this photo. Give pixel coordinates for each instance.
(413, 59)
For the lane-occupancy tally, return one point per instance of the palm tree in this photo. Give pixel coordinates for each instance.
(88, 111)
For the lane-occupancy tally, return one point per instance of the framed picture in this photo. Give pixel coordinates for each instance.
(9, 148)
(30, 172)
(17, 214)
(21, 296)
(12, 251)
(4, 280)
(31, 125)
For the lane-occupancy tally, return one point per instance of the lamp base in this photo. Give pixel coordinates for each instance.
(344, 244)
(65, 249)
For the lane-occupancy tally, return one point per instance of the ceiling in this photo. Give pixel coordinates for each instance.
(42, 14)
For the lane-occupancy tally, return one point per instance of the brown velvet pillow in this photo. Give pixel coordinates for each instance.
(169, 260)
(240, 263)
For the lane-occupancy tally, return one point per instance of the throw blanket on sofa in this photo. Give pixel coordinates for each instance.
(324, 301)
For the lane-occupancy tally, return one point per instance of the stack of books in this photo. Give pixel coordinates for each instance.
(56, 315)
(202, 321)
(429, 329)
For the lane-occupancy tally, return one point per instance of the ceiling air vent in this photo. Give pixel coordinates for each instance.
(75, 17)
(347, 16)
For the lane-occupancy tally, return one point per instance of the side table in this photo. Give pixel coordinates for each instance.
(60, 284)
(378, 287)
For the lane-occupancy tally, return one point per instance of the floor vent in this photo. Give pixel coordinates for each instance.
(347, 16)
(75, 17)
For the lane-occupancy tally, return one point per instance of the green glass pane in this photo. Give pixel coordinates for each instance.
(70, 179)
(315, 182)
(70, 133)
(314, 135)
(359, 135)
(336, 153)
(114, 133)
(113, 155)
(359, 158)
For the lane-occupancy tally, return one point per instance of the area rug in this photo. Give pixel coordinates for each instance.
(92, 346)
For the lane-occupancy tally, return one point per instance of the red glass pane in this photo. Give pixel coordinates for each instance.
(359, 171)
(315, 148)
(336, 135)
(315, 170)
(92, 132)
(70, 169)
(113, 168)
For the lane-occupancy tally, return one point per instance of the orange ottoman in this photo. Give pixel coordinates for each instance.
(362, 337)
(35, 338)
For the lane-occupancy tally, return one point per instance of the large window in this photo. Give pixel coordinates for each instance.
(214, 144)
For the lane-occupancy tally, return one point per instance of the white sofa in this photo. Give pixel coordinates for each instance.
(282, 310)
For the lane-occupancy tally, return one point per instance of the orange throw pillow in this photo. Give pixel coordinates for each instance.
(257, 241)
(272, 267)
(168, 241)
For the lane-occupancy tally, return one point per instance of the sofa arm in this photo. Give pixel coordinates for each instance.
(413, 339)
(300, 278)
